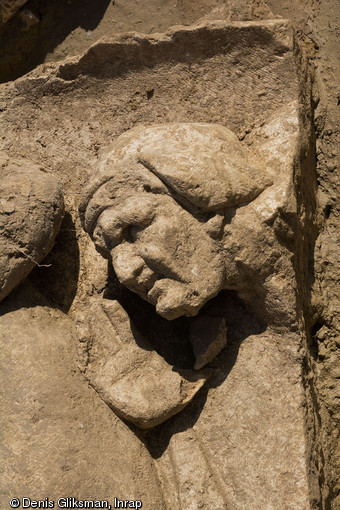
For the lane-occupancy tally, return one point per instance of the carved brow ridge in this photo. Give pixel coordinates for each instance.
(87, 199)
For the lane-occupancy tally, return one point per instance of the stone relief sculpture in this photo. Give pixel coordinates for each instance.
(197, 220)
(161, 208)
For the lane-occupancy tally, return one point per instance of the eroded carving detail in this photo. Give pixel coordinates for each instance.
(128, 374)
(160, 208)
(31, 211)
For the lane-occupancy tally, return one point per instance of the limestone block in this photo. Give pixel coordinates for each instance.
(243, 440)
(31, 211)
(58, 438)
(127, 373)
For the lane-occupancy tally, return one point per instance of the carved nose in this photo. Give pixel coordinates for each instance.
(127, 266)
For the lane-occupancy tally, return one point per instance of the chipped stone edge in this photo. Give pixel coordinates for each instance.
(55, 73)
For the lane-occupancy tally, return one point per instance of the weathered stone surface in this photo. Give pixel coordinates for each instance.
(127, 373)
(246, 448)
(148, 210)
(260, 237)
(157, 207)
(58, 438)
(243, 77)
(182, 155)
(31, 210)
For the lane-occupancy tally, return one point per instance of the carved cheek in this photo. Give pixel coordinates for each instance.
(154, 253)
(161, 240)
(157, 252)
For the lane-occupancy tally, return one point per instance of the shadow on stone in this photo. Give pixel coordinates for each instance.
(170, 339)
(241, 325)
(38, 27)
(58, 281)
(25, 295)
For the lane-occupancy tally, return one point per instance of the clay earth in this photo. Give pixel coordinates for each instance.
(192, 361)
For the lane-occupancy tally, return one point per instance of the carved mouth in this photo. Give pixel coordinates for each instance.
(157, 274)
(151, 289)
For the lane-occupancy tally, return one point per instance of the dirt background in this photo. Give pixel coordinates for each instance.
(41, 31)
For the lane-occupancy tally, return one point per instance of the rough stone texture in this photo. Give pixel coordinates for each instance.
(181, 155)
(245, 453)
(162, 85)
(58, 438)
(257, 265)
(148, 209)
(64, 29)
(324, 315)
(127, 373)
(31, 211)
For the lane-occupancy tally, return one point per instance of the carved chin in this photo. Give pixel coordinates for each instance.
(174, 299)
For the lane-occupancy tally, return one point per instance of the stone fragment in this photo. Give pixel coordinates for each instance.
(208, 336)
(31, 211)
(128, 374)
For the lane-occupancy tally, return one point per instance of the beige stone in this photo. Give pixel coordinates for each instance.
(127, 373)
(157, 207)
(58, 438)
(31, 211)
(246, 449)
(244, 441)
(145, 210)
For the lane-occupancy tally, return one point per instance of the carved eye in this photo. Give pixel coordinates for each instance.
(100, 242)
(119, 225)
(110, 229)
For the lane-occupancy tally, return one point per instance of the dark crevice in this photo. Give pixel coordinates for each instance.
(319, 323)
(150, 93)
(241, 324)
(58, 281)
(39, 27)
(327, 211)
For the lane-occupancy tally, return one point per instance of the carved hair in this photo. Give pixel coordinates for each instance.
(202, 166)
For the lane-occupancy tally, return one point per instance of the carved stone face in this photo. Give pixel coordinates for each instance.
(161, 252)
(155, 207)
